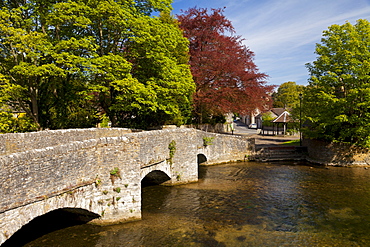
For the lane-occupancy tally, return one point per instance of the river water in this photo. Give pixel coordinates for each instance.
(243, 204)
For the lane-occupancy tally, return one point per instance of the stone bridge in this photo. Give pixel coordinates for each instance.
(99, 171)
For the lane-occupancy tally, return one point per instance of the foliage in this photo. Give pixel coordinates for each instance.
(117, 189)
(104, 122)
(160, 55)
(115, 172)
(172, 148)
(41, 70)
(64, 63)
(337, 101)
(208, 141)
(12, 124)
(227, 80)
(267, 119)
(287, 95)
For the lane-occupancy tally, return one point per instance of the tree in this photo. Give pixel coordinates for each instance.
(337, 100)
(159, 54)
(43, 71)
(66, 62)
(287, 95)
(267, 119)
(227, 80)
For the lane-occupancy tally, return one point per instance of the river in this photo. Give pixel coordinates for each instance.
(243, 204)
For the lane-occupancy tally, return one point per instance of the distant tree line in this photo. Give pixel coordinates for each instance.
(77, 63)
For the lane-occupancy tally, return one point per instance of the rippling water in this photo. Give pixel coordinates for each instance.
(243, 204)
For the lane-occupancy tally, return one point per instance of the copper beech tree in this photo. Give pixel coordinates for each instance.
(227, 80)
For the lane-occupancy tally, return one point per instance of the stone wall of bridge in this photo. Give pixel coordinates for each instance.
(20, 142)
(99, 170)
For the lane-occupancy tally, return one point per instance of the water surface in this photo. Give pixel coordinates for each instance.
(243, 204)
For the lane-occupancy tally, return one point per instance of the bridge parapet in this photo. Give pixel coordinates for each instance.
(20, 142)
(102, 173)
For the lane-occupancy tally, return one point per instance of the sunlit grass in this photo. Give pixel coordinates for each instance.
(291, 143)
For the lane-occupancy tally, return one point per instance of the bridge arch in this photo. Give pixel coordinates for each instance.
(156, 173)
(201, 158)
(77, 201)
(155, 177)
(51, 221)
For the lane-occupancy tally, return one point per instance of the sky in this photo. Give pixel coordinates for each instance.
(283, 33)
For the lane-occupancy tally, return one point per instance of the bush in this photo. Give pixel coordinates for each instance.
(12, 124)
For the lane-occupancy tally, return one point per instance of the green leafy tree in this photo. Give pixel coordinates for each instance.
(66, 62)
(267, 119)
(337, 100)
(159, 54)
(287, 95)
(42, 69)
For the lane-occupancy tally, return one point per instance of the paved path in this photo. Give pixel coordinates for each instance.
(261, 141)
(268, 141)
(242, 129)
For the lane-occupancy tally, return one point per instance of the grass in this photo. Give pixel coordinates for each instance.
(291, 143)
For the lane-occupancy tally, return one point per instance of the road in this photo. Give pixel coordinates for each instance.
(242, 129)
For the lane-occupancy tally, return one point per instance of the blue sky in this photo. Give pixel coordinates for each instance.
(283, 33)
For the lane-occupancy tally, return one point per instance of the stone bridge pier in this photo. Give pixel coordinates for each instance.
(100, 171)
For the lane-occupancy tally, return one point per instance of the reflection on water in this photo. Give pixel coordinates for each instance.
(244, 204)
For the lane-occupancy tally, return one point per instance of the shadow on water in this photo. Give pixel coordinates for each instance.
(47, 223)
(202, 172)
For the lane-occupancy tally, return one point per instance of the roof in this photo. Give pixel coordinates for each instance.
(283, 118)
(278, 111)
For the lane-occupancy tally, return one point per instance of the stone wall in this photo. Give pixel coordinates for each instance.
(338, 154)
(99, 170)
(216, 128)
(226, 148)
(19, 142)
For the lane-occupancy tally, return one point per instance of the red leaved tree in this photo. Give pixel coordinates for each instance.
(223, 69)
